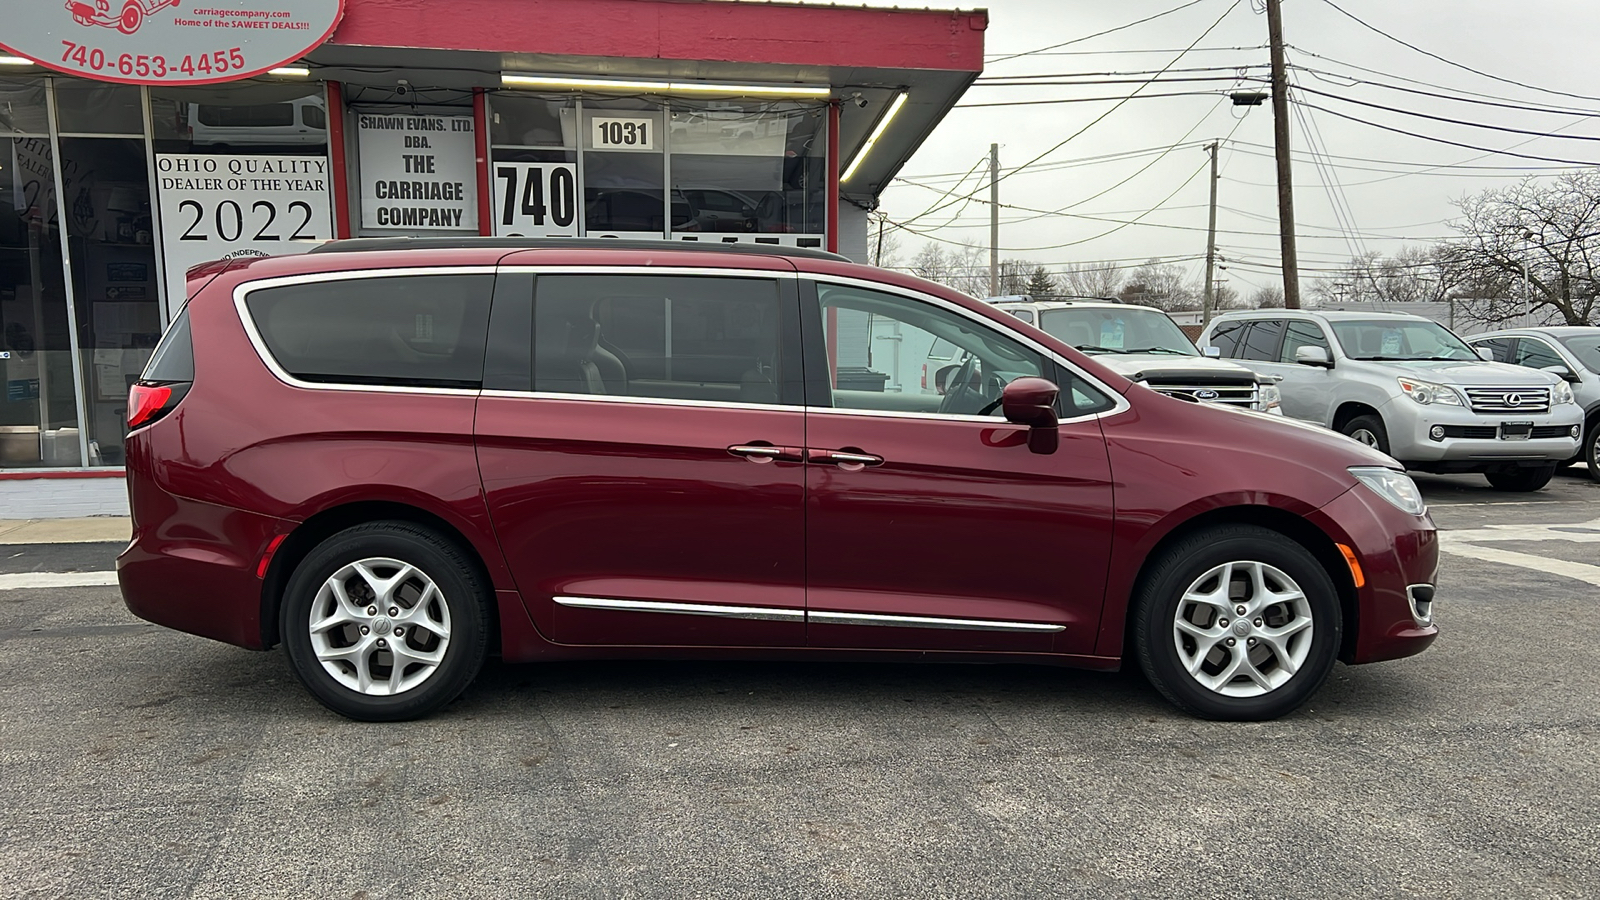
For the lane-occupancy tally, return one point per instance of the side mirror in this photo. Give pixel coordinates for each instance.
(1486, 354)
(1563, 373)
(1213, 352)
(1313, 356)
(1032, 402)
(941, 378)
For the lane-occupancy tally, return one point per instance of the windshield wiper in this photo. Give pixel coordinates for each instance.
(1411, 358)
(1159, 350)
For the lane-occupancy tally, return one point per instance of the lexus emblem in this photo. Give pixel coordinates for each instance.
(1206, 394)
(1513, 399)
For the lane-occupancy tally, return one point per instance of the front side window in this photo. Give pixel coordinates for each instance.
(1500, 347)
(670, 337)
(1586, 348)
(408, 331)
(1302, 334)
(1399, 339)
(1097, 330)
(1262, 340)
(892, 353)
(1536, 354)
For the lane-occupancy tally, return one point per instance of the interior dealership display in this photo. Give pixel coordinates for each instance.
(396, 456)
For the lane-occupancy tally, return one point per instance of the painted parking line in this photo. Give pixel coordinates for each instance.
(24, 580)
(1469, 542)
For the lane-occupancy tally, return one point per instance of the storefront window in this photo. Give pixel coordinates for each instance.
(533, 179)
(38, 409)
(22, 106)
(624, 177)
(110, 234)
(749, 169)
(94, 107)
(240, 119)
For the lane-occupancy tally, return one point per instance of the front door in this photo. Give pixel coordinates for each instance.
(929, 523)
(647, 485)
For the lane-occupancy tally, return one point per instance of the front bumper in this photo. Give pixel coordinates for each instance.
(1399, 555)
(1474, 440)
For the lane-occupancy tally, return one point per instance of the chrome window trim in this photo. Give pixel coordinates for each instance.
(1120, 403)
(644, 401)
(629, 269)
(897, 621)
(245, 289)
(758, 613)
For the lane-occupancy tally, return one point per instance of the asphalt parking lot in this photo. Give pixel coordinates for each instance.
(139, 762)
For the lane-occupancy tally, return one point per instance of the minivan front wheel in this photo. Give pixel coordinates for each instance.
(385, 621)
(1237, 622)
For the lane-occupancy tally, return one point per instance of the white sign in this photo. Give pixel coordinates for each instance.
(215, 206)
(615, 133)
(535, 199)
(418, 172)
(167, 41)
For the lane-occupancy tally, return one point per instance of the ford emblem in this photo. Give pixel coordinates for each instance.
(1206, 394)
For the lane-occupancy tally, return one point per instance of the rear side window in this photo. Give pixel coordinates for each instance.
(1261, 341)
(405, 331)
(1226, 337)
(173, 360)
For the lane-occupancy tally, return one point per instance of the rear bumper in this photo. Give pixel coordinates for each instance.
(192, 567)
(1397, 552)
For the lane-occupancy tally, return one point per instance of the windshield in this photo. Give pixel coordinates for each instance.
(1130, 330)
(1400, 339)
(1586, 348)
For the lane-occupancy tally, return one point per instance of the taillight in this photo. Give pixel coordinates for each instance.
(149, 402)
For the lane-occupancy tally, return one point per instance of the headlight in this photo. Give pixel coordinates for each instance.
(1268, 397)
(1561, 394)
(1426, 392)
(1393, 486)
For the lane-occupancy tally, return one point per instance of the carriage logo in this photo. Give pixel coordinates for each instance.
(127, 20)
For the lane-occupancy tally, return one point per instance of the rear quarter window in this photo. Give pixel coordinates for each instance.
(405, 331)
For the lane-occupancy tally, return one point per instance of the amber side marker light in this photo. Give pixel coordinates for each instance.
(1355, 565)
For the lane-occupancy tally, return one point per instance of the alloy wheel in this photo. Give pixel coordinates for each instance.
(1365, 436)
(379, 626)
(1243, 629)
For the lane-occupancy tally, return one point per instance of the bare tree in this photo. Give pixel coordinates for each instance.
(1545, 234)
(1163, 285)
(1089, 280)
(1269, 297)
(964, 267)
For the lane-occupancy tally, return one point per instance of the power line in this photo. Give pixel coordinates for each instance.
(1090, 37)
(1149, 50)
(1080, 76)
(1123, 99)
(1462, 91)
(1447, 119)
(1321, 75)
(1439, 140)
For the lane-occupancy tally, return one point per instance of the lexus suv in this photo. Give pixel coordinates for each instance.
(1142, 344)
(397, 456)
(1569, 352)
(1408, 387)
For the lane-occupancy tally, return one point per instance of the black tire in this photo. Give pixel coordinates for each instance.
(1361, 427)
(461, 607)
(1522, 479)
(1591, 449)
(1157, 637)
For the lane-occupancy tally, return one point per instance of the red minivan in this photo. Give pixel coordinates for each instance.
(396, 456)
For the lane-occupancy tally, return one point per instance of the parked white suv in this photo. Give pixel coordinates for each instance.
(1143, 345)
(1411, 388)
(1569, 352)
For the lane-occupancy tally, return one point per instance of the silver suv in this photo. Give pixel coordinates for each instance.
(1143, 345)
(1571, 353)
(1409, 387)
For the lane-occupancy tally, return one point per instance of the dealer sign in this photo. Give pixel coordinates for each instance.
(167, 41)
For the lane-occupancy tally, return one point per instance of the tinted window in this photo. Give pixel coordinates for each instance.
(1226, 337)
(1500, 346)
(173, 359)
(419, 330)
(273, 115)
(673, 337)
(314, 116)
(1537, 354)
(1586, 348)
(1302, 334)
(1261, 341)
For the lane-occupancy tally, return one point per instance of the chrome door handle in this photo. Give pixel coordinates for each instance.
(844, 459)
(761, 453)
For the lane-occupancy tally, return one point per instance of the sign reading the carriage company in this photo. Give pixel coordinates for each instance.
(167, 41)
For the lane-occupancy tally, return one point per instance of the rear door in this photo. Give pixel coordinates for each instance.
(929, 523)
(640, 439)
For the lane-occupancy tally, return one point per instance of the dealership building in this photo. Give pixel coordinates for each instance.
(147, 136)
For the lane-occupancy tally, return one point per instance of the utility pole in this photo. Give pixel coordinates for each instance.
(994, 220)
(1280, 140)
(1211, 240)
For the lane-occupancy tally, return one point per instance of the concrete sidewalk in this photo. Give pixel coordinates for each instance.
(65, 531)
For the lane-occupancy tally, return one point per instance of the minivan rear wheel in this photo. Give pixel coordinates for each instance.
(385, 621)
(1368, 430)
(1522, 479)
(1237, 622)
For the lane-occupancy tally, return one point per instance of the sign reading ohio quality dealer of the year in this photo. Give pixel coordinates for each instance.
(418, 172)
(166, 41)
(215, 206)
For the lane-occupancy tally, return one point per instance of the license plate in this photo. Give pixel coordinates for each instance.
(1515, 431)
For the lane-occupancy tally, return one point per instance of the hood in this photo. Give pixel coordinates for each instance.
(1162, 367)
(1466, 373)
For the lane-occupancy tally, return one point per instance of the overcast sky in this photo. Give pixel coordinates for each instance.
(1546, 43)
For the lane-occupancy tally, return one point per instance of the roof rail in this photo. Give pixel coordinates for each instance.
(373, 244)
